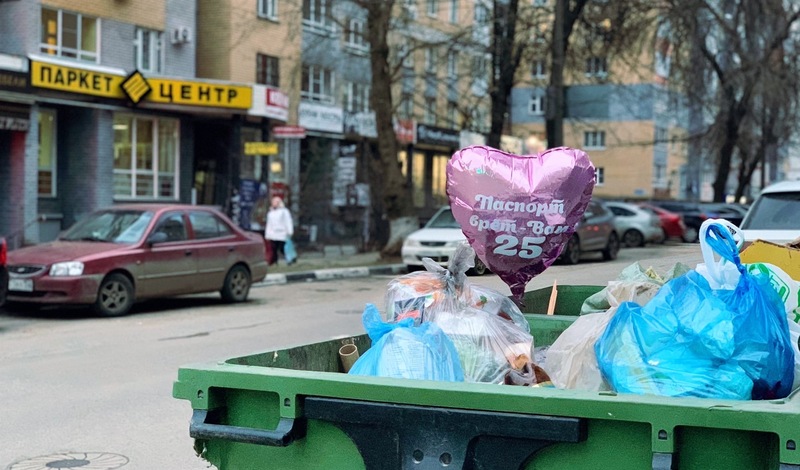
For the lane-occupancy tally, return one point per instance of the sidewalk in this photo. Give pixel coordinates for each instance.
(334, 262)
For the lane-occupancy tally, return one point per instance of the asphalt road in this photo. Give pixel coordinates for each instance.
(77, 391)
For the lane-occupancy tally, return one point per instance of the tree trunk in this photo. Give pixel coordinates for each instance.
(391, 185)
(506, 55)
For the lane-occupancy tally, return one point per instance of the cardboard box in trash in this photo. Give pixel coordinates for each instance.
(786, 257)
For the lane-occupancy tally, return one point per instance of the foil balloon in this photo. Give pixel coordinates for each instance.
(518, 211)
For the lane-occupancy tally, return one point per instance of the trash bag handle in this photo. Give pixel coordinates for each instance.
(723, 238)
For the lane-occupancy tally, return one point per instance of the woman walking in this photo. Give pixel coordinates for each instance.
(280, 228)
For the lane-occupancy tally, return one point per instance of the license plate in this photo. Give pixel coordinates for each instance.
(22, 285)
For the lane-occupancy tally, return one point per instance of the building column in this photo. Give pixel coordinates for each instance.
(30, 180)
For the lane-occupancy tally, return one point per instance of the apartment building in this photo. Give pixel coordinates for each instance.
(625, 119)
(100, 104)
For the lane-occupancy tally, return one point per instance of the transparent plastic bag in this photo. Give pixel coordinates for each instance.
(489, 347)
(635, 277)
(403, 350)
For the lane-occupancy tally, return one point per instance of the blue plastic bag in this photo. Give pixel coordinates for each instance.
(289, 252)
(402, 350)
(692, 340)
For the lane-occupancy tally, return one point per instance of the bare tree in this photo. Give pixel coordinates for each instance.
(748, 49)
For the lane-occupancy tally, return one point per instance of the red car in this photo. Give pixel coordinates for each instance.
(671, 223)
(127, 253)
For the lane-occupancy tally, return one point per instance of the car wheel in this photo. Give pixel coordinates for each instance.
(612, 248)
(237, 284)
(690, 235)
(115, 296)
(572, 252)
(479, 269)
(633, 238)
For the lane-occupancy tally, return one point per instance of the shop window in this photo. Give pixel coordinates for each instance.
(267, 70)
(268, 9)
(149, 50)
(418, 179)
(70, 35)
(439, 179)
(356, 97)
(317, 84)
(146, 157)
(47, 153)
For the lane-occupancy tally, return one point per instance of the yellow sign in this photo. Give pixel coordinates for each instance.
(192, 93)
(260, 148)
(136, 87)
(86, 82)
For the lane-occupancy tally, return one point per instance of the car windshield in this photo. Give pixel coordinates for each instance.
(443, 219)
(113, 226)
(774, 211)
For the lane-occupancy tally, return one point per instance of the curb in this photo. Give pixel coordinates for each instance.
(331, 274)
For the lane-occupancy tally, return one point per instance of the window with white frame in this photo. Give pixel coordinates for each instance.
(149, 50)
(596, 67)
(480, 74)
(433, 8)
(317, 15)
(70, 35)
(356, 97)
(599, 176)
(454, 11)
(268, 9)
(481, 13)
(536, 105)
(146, 157)
(452, 64)
(430, 111)
(407, 106)
(594, 139)
(354, 35)
(47, 153)
(317, 84)
(480, 121)
(452, 112)
(431, 61)
(405, 53)
(539, 69)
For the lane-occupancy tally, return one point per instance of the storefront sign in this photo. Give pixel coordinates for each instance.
(321, 117)
(270, 102)
(10, 123)
(13, 81)
(192, 93)
(75, 80)
(260, 148)
(362, 124)
(432, 135)
(289, 132)
(406, 131)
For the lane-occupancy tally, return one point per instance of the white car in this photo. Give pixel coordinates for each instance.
(775, 214)
(437, 240)
(637, 226)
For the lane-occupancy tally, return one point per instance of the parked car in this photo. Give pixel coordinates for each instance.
(733, 213)
(596, 232)
(671, 223)
(693, 216)
(127, 253)
(637, 225)
(3, 270)
(437, 240)
(775, 214)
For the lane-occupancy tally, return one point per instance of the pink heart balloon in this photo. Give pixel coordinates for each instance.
(518, 211)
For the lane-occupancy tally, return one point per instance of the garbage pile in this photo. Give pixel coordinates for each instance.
(441, 327)
(724, 329)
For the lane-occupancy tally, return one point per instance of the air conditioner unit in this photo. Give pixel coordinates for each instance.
(181, 35)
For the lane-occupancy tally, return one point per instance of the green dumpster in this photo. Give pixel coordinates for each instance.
(293, 409)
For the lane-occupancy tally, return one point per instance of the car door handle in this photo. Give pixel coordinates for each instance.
(231, 248)
(188, 252)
